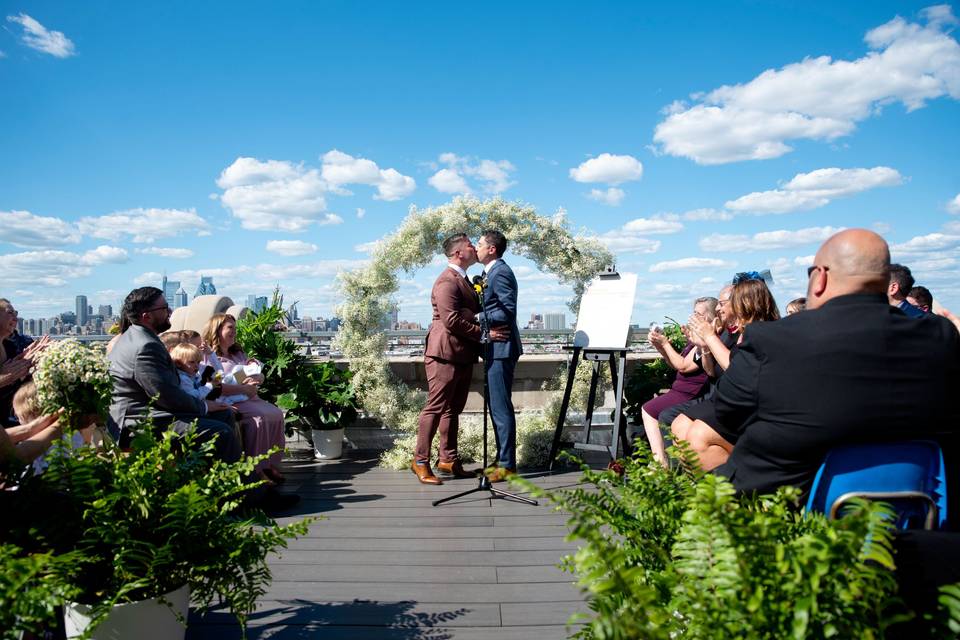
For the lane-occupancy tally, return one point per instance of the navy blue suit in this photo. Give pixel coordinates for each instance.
(500, 358)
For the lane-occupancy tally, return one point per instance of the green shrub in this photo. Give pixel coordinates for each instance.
(138, 525)
(673, 554)
(319, 394)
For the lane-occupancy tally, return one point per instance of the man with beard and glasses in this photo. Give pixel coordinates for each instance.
(146, 383)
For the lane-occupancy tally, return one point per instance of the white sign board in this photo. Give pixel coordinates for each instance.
(605, 310)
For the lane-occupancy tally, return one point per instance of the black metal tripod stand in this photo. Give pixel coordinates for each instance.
(485, 484)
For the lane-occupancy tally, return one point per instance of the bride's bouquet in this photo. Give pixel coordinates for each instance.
(75, 377)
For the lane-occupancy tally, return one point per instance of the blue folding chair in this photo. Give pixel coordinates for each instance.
(909, 475)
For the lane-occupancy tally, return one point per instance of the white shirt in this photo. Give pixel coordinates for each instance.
(489, 265)
(458, 269)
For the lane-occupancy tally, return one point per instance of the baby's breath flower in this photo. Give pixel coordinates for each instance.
(368, 292)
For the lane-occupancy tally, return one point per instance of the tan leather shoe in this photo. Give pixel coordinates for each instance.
(456, 469)
(424, 474)
(499, 474)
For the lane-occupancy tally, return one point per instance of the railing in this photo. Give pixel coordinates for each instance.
(411, 342)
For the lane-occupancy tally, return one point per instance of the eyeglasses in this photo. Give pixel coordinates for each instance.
(160, 308)
(813, 268)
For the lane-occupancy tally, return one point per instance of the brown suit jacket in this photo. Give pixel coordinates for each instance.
(453, 334)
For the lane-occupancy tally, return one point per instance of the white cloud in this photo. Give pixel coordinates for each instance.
(766, 240)
(38, 37)
(360, 213)
(630, 238)
(240, 279)
(167, 252)
(105, 254)
(274, 195)
(611, 197)
(291, 247)
(145, 225)
(494, 175)
(448, 181)
(54, 268)
(340, 169)
(954, 205)
(815, 189)
(804, 261)
(689, 264)
(609, 169)
(707, 215)
(618, 242)
(23, 229)
(366, 247)
(645, 226)
(925, 244)
(818, 98)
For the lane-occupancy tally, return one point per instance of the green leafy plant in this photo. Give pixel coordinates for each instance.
(145, 522)
(32, 586)
(261, 337)
(322, 397)
(674, 553)
(314, 395)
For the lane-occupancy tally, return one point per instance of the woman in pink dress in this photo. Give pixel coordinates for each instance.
(261, 423)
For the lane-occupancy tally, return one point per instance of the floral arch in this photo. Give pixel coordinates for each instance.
(368, 292)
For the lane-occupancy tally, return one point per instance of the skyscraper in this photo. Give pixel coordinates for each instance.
(170, 290)
(554, 321)
(82, 309)
(206, 287)
(105, 311)
(179, 299)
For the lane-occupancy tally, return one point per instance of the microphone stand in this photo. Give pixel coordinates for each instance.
(484, 484)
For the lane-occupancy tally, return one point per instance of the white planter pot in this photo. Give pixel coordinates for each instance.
(327, 443)
(143, 620)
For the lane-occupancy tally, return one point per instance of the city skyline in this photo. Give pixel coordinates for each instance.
(695, 142)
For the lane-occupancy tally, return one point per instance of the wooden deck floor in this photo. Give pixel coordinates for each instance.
(386, 565)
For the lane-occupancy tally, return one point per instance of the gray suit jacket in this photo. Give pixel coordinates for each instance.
(143, 373)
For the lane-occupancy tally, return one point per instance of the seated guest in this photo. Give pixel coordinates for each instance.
(724, 327)
(850, 369)
(122, 326)
(26, 407)
(796, 306)
(921, 298)
(901, 282)
(187, 358)
(171, 338)
(261, 423)
(146, 383)
(29, 443)
(751, 302)
(15, 360)
(689, 383)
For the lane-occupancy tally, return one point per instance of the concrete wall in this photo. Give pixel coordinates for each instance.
(531, 374)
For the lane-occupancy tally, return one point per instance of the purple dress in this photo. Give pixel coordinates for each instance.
(261, 423)
(686, 386)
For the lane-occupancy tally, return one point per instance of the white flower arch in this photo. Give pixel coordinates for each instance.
(368, 292)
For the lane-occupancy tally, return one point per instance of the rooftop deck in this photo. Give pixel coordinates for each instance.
(385, 564)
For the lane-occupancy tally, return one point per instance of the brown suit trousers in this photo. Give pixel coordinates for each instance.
(452, 346)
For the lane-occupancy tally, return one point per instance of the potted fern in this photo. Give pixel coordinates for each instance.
(322, 402)
(149, 528)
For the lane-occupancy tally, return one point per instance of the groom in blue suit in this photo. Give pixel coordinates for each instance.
(500, 358)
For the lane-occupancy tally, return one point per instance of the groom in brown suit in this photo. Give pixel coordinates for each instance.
(453, 344)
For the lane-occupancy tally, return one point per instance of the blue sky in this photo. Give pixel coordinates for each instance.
(264, 143)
